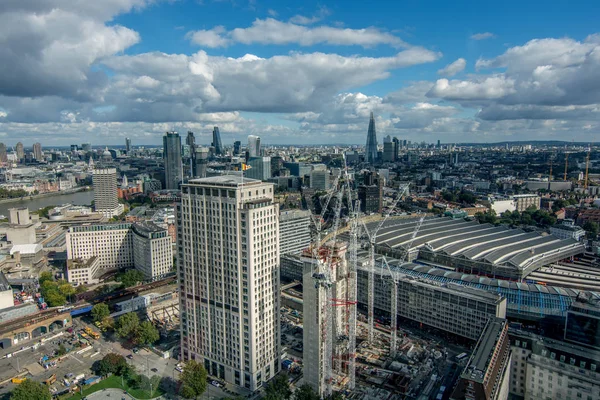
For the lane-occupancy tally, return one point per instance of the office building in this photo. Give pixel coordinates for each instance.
(370, 193)
(152, 250)
(83, 272)
(228, 266)
(111, 243)
(396, 146)
(237, 148)
(105, 192)
(371, 146)
(254, 146)
(86, 147)
(294, 231)
(144, 246)
(128, 145)
(388, 149)
(190, 140)
(172, 158)
(3, 154)
(216, 142)
(37, 151)
(487, 373)
(460, 310)
(320, 179)
(291, 267)
(20, 151)
(567, 231)
(583, 321)
(260, 168)
(544, 368)
(297, 168)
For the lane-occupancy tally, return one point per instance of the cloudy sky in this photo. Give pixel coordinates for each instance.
(293, 72)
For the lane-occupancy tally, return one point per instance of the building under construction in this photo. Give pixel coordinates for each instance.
(327, 318)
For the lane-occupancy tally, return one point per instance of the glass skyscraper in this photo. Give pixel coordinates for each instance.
(172, 157)
(216, 143)
(371, 147)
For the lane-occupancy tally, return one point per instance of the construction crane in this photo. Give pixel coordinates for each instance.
(394, 298)
(587, 167)
(550, 159)
(372, 237)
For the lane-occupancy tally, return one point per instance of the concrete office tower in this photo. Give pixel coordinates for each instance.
(105, 192)
(200, 162)
(325, 334)
(127, 145)
(228, 266)
(37, 151)
(3, 154)
(237, 148)
(152, 250)
(388, 149)
(20, 151)
(294, 231)
(253, 146)
(260, 168)
(371, 147)
(320, 180)
(172, 158)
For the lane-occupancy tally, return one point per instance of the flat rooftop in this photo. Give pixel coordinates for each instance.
(484, 350)
(224, 180)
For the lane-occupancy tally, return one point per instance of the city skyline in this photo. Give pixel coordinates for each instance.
(520, 72)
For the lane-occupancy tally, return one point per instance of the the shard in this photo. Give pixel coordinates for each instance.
(371, 147)
(216, 142)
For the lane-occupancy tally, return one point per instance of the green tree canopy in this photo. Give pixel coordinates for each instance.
(45, 276)
(100, 311)
(112, 363)
(127, 325)
(146, 333)
(305, 392)
(31, 390)
(130, 278)
(591, 228)
(278, 388)
(193, 380)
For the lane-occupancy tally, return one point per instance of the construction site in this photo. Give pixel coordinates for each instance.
(359, 352)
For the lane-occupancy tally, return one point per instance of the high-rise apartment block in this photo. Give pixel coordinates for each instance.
(37, 151)
(371, 146)
(228, 266)
(144, 246)
(172, 158)
(294, 231)
(105, 192)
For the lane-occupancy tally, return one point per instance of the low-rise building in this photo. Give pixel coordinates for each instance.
(83, 272)
(152, 250)
(486, 375)
(524, 201)
(543, 368)
(567, 231)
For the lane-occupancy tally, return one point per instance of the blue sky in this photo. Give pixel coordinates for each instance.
(299, 72)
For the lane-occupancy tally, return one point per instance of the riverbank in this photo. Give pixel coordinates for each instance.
(43, 195)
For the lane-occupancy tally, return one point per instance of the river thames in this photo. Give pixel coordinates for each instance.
(77, 198)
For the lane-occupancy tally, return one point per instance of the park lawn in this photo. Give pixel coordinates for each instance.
(115, 382)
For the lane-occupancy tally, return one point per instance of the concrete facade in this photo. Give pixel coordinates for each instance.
(228, 266)
(294, 231)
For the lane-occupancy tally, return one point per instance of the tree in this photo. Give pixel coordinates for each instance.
(591, 228)
(112, 363)
(305, 392)
(54, 298)
(31, 390)
(278, 388)
(61, 350)
(193, 380)
(100, 311)
(130, 278)
(45, 276)
(146, 333)
(127, 325)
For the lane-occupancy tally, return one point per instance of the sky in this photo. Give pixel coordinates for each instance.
(310, 72)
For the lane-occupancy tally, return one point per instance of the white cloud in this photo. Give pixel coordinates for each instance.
(272, 31)
(483, 36)
(302, 20)
(453, 68)
(493, 87)
(272, 12)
